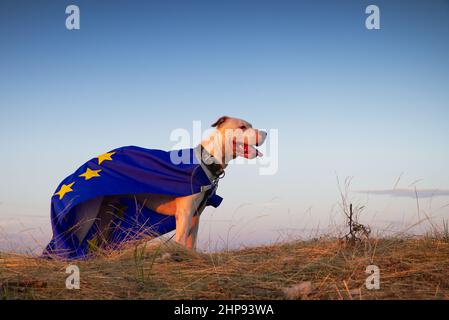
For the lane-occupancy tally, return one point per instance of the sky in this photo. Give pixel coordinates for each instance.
(345, 101)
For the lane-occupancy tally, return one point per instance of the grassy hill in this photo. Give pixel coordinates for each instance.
(319, 269)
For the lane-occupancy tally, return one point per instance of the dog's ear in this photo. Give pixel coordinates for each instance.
(219, 121)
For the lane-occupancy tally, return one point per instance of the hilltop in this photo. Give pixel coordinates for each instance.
(315, 269)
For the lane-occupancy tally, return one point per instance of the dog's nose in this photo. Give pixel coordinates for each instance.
(262, 135)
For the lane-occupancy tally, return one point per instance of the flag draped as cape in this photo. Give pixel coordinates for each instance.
(124, 171)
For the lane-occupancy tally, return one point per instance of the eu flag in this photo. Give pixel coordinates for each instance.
(124, 171)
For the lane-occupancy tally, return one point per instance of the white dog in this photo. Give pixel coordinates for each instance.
(232, 138)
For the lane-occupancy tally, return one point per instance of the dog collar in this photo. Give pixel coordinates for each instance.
(211, 164)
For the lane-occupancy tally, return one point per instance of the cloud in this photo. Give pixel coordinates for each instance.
(408, 193)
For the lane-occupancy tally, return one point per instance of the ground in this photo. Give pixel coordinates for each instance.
(315, 269)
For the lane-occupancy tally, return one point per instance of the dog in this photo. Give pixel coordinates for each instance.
(231, 138)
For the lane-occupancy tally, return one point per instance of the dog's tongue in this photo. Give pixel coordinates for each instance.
(247, 151)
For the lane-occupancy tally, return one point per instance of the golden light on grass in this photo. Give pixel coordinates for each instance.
(320, 269)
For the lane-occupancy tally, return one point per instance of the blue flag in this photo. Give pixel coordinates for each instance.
(124, 171)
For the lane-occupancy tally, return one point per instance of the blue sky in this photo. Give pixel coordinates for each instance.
(346, 101)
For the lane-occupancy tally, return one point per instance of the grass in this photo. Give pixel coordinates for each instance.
(412, 268)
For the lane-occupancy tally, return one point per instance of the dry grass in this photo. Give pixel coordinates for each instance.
(410, 269)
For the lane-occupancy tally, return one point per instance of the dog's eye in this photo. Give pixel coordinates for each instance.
(242, 127)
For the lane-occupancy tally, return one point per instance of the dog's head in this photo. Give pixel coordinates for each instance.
(238, 138)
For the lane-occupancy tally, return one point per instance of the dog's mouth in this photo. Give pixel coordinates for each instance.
(246, 150)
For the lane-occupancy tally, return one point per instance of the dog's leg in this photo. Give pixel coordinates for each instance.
(191, 239)
(183, 223)
(186, 208)
(86, 214)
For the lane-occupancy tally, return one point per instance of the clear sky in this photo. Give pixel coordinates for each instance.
(346, 101)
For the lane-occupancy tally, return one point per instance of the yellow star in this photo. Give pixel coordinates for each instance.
(65, 188)
(89, 174)
(104, 157)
